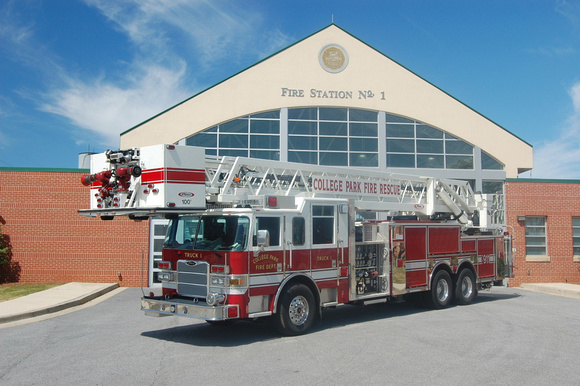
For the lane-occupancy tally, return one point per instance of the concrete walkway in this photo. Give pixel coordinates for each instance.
(75, 294)
(561, 289)
(52, 300)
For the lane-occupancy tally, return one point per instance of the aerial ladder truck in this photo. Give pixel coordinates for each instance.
(251, 238)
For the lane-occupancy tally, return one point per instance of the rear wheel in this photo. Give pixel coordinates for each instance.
(296, 311)
(440, 294)
(465, 290)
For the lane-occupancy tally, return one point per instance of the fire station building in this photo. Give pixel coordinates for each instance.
(329, 99)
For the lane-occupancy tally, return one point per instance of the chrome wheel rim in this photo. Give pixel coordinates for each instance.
(442, 290)
(466, 287)
(298, 310)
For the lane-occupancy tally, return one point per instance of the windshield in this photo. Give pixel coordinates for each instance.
(226, 233)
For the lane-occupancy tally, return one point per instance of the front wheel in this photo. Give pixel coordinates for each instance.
(296, 311)
(440, 294)
(465, 290)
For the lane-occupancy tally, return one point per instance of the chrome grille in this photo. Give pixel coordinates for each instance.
(192, 278)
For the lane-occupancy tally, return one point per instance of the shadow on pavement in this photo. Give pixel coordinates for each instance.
(246, 332)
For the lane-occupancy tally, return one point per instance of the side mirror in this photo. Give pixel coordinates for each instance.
(263, 238)
(263, 241)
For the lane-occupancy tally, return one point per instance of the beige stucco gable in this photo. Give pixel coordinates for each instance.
(295, 77)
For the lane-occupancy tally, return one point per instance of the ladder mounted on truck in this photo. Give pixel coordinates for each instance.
(161, 179)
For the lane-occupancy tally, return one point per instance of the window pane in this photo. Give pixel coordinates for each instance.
(336, 159)
(424, 146)
(398, 119)
(534, 231)
(322, 210)
(234, 153)
(364, 159)
(492, 187)
(459, 162)
(266, 127)
(202, 140)
(401, 145)
(535, 251)
(306, 113)
(535, 241)
(264, 142)
(458, 147)
(488, 163)
(363, 129)
(536, 236)
(332, 114)
(401, 131)
(364, 144)
(535, 221)
(401, 160)
(298, 230)
(232, 140)
(333, 128)
(264, 154)
(308, 128)
(160, 229)
(576, 221)
(363, 115)
(333, 143)
(304, 157)
(424, 131)
(430, 161)
(275, 114)
(302, 143)
(235, 126)
(272, 225)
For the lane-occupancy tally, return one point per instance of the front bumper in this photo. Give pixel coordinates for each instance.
(188, 308)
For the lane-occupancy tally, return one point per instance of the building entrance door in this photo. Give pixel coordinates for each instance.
(157, 230)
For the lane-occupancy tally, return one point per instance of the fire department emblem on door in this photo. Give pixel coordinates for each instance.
(333, 58)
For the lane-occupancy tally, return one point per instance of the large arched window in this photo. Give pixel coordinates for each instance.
(337, 136)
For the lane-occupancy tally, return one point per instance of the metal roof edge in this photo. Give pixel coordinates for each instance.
(543, 180)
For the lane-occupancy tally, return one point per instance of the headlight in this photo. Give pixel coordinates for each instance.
(164, 276)
(214, 298)
(217, 280)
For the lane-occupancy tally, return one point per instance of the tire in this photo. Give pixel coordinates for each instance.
(296, 311)
(441, 290)
(465, 288)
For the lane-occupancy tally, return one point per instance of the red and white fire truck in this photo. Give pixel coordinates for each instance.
(252, 238)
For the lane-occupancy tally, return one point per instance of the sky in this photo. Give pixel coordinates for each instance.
(74, 74)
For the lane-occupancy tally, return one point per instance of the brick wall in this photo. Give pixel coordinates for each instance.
(558, 201)
(51, 242)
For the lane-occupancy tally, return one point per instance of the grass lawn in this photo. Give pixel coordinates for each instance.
(16, 290)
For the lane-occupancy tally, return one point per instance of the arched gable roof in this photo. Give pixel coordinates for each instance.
(297, 76)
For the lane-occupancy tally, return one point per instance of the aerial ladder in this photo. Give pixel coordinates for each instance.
(165, 179)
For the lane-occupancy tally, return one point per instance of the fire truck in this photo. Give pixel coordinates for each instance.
(251, 238)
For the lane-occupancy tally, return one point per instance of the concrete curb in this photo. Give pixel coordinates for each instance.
(560, 289)
(52, 300)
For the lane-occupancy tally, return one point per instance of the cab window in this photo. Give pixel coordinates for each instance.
(272, 225)
(322, 224)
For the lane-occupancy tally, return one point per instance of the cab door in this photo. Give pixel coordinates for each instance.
(324, 237)
(297, 243)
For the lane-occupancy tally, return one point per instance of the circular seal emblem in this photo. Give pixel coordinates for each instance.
(333, 58)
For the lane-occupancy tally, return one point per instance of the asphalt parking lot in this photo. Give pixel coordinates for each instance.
(508, 336)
